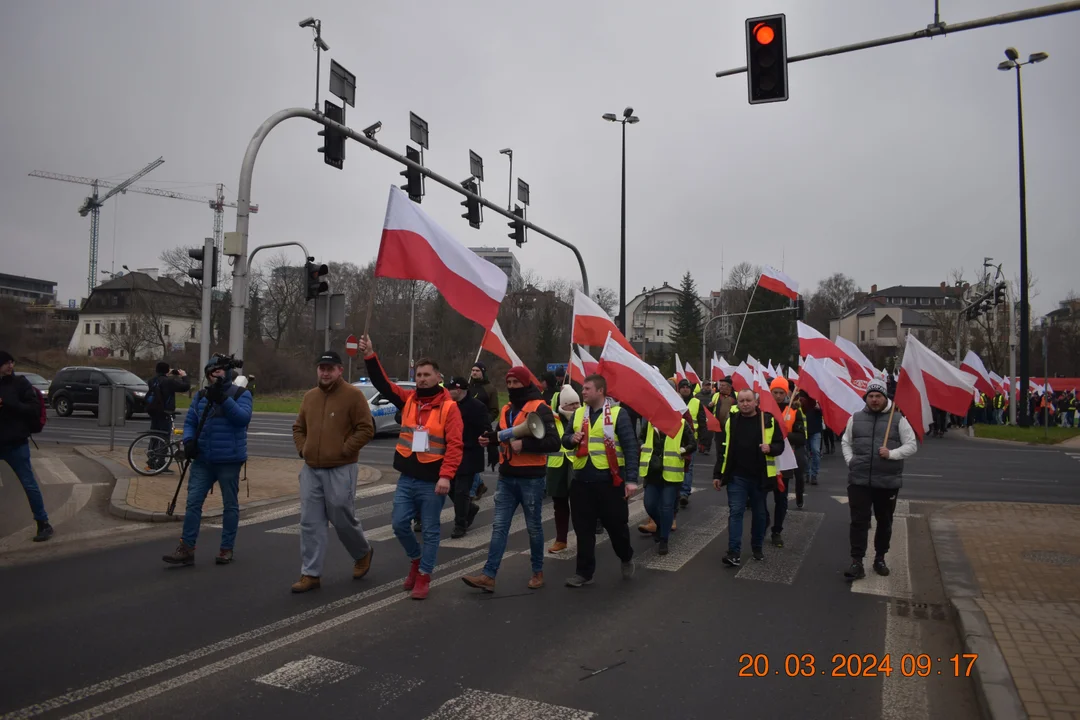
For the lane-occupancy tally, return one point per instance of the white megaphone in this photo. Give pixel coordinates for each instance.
(533, 425)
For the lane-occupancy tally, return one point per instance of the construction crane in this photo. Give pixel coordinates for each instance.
(217, 204)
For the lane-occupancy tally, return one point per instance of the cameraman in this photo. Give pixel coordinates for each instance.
(161, 398)
(215, 440)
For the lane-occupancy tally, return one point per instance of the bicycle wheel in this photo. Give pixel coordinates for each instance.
(150, 454)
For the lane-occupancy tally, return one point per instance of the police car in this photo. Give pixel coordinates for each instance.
(382, 410)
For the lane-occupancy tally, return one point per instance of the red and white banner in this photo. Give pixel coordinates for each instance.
(753, 363)
(973, 365)
(588, 362)
(778, 282)
(413, 247)
(680, 374)
(592, 325)
(926, 380)
(792, 375)
(766, 401)
(838, 400)
(812, 343)
(628, 376)
(999, 383)
(742, 378)
(577, 368)
(716, 371)
(495, 343)
(852, 351)
(711, 421)
(691, 375)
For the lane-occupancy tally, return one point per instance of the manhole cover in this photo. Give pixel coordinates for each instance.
(1051, 557)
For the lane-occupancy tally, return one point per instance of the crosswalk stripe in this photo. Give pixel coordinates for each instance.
(903, 507)
(898, 583)
(637, 516)
(476, 704)
(782, 564)
(294, 508)
(56, 472)
(385, 532)
(686, 544)
(308, 674)
(482, 536)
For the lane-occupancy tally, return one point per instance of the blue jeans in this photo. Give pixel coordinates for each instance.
(511, 492)
(815, 454)
(688, 479)
(201, 477)
(660, 501)
(18, 457)
(740, 491)
(418, 497)
(475, 484)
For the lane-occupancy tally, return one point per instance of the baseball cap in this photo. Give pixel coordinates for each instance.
(329, 358)
(457, 383)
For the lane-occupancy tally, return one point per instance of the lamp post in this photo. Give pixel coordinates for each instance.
(320, 47)
(631, 118)
(510, 181)
(1012, 61)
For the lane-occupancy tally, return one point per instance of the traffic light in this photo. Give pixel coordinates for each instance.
(1001, 294)
(413, 186)
(800, 308)
(472, 206)
(517, 226)
(333, 148)
(314, 274)
(766, 59)
(198, 273)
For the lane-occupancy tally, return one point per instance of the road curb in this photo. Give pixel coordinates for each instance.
(996, 692)
(119, 507)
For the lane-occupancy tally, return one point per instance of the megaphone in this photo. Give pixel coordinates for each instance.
(533, 425)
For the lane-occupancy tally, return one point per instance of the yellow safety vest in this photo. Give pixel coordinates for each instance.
(694, 405)
(597, 451)
(556, 459)
(715, 399)
(674, 466)
(770, 461)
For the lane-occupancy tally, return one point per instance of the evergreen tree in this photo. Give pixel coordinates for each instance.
(687, 323)
(770, 336)
(547, 347)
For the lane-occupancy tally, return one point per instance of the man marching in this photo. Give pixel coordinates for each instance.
(429, 451)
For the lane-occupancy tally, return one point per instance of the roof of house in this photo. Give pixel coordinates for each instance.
(187, 296)
(908, 316)
(916, 291)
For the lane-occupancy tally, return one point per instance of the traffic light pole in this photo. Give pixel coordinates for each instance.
(207, 299)
(241, 266)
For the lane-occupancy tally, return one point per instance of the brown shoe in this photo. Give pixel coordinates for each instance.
(307, 582)
(480, 582)
(182, 555)
(673, 524)
(557, 547)
(648, 528)
(537, 581)
(361, 567)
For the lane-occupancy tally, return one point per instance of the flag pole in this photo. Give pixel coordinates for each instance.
(735, 350)
(370, 305)
(888, 425)
(480, 350)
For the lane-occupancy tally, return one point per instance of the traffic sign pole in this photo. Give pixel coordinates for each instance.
(352, 346)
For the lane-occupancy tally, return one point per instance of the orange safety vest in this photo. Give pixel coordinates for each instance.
(522, 459)
(788, 417)
(412, 418)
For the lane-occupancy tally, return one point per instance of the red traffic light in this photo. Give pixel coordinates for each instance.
(764, 34)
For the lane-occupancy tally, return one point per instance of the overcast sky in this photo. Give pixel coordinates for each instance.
(892, 165)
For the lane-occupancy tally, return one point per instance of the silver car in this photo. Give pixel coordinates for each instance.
(382, 410)
(37, 381)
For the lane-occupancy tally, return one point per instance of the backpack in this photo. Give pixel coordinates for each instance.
(155, 401)
(38, 424)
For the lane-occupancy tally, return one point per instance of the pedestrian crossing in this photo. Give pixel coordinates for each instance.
(897, 584)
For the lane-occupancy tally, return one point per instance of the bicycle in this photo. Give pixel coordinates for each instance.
(150, 453)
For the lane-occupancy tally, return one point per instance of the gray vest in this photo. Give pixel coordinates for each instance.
(867, 468)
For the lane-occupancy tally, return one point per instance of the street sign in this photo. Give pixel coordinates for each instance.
(352, 346)
(553, 367)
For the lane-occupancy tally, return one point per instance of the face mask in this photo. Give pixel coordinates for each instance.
(518, 395)
(428, 392)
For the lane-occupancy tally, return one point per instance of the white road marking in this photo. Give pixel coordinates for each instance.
(480, 705)
(80, 495)
(684, 545)
(482, 536)
(922, 476)
(898, 583)
(294, 508)
(56, 472)
(903, 507)
(150, 670)
(781, 565)
(386, 532)
(637, 516)
(308, 674)
(902, 698)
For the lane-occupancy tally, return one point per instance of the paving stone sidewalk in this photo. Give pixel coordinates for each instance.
(1018, 568)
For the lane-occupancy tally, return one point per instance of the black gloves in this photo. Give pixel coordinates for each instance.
(191, 449)
(493, 457)
(215, 393)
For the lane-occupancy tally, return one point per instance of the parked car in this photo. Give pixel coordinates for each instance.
(382, 410)
(39, 383)
(76, 388)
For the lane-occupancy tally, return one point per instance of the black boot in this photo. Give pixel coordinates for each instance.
(880, 567)
(44, 531)
(856, 571)
(458, 532)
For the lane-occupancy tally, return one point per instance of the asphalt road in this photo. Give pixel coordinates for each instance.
(116, 633)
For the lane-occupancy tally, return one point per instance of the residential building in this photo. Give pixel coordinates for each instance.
(502, 258)
(137, 315)
(28, 289)
(651, 313)
(1067, 313)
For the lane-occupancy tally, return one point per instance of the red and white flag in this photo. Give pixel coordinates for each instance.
(999, 384)
(628, 376)
(495, 343)
(838, 400)
(766, 401)
(742, 378)
(691, 375)
(792, 375)
(592, 325)
(577, 368)
(973, 365)
(413, 247)
(812, 343)
(588, 362)
(926, 380)
(716, 372)
(753, 363)
(680, 374)
(778, 282)
(852, 351)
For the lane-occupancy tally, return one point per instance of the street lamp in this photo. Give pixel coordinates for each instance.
(509, 183)
(320, 47)
(1012, 61)
(631, 118)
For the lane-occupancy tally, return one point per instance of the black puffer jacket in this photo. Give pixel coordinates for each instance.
(19, 407)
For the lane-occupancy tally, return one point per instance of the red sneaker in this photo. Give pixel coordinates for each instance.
(414, 571)
(423, 585)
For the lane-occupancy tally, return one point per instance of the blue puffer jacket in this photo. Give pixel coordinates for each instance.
(224, 435)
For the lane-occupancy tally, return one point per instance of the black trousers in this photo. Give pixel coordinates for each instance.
(460, 489)
(160, 422)
(591, 502)
(862, 500)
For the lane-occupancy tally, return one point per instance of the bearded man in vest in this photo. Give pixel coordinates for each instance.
(746, 465)
(875, 473)
(605, 461)
(522, 478)
(428, 453)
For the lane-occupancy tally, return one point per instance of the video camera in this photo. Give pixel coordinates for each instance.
(225, 362)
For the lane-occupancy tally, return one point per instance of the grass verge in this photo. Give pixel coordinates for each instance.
(278, 403)
(1039, 435)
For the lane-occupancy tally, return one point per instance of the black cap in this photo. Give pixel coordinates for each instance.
(329, 358)
(5, 357)
(457, 383)
(684, 383)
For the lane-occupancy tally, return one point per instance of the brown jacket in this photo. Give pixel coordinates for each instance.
(333, 425)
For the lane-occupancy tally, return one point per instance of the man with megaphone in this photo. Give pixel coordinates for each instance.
(526, 436)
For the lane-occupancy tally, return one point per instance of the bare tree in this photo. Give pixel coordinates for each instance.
(282, 297)
(128, 337)
(834, 296)
(607, 299)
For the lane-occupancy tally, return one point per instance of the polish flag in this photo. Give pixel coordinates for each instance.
(926, 380)
(792, 375)
(691, 375)
(766, 401)
(838, 400)
(999, 384)
(725, 367)
(592, 325)
(680, 374)
(778, 282)
(973, 365)
(577, 368)
(742, 378)
(813, 343)
(628, 376)
(413, 247)
(752, 363)
(711, 421)
(716, 371)
(852, 351)
(588, 362)
(495, 343)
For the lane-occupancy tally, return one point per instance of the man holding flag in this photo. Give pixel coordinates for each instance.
(697, 416)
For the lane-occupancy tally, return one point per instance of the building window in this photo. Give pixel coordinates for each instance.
(924, 301)
(192, 332)
(909, 301)
(115, 301)
(659, 332)
(939, 301)
(112, 328)
(87, 326)
(871, 336)
(166, 329)
(121, 353)
(97, 328)
(862, 336)
(123, 328)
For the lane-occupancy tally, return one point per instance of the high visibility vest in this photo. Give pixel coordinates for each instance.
(435, 426)
(715, 399)
(556, 459)
(981, 401)
(555, 402)
(674, 465)
(694, 405)
(597, 450)
(521, 459)
(770, 461)
(789, 415)
(697, 388)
